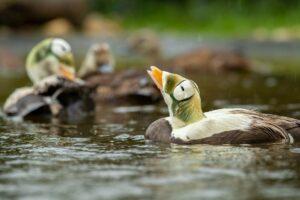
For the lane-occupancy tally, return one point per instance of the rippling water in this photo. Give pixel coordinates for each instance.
(106, 156)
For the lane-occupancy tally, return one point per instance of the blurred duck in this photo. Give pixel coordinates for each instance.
(50, 57)
(130, 86)
(56, 91)
(187, 124)
(98, 59)
(147, 44)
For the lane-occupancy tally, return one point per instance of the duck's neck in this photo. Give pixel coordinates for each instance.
(187, 113)
(37, 54)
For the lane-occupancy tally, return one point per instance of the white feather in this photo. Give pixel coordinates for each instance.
(60, 47)
(216, 121)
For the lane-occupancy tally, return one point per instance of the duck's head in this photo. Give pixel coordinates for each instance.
(99, 59)
(181, 95)
(51, 56)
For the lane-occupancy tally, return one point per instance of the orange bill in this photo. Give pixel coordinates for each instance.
(156, 75)
(68, 74)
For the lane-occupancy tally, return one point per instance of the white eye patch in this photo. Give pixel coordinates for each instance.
(184, 90)
(60, 47)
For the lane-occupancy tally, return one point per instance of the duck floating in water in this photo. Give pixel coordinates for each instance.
(56, 91)
(187, 124)
(130, 86)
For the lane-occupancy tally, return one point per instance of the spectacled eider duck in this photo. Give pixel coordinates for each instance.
(51, 56)
(187, 124)
(110, 86)
(56, 91)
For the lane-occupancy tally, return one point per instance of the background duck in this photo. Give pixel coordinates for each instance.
(98, 59)
(51, 56)
(130, 86)
(187, 124)
(56, 91)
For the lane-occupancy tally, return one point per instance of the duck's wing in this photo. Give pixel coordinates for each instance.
(265, 128)
(289, 127)
(159, 131)
(254, 135)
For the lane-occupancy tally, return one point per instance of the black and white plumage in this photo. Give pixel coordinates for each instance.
(261, 128)
(187, 124)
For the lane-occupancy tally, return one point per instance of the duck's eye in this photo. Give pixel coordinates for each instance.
(184, 90)
(60, 47)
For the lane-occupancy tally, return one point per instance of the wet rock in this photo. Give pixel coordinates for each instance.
(210, 60)
(123, 87)
(53, 96)
(147, 44)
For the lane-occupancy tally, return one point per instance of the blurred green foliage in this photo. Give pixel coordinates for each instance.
(229, 17)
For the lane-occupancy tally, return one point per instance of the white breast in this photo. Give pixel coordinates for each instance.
(216, 121)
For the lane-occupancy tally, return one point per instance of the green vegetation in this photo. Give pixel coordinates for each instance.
(226, 18)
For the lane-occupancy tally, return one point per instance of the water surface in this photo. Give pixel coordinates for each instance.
(106, 156)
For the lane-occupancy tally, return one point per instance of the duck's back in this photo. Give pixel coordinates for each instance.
(229, 126)
(266, 128)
